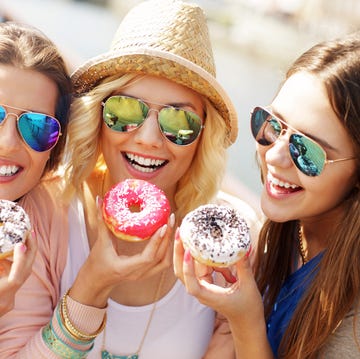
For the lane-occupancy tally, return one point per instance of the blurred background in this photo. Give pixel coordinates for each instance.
(254, 41)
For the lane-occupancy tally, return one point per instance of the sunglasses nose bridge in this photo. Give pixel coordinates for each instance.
(8, 114)
(152, 110)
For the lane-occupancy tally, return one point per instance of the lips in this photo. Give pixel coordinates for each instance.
(144, 164)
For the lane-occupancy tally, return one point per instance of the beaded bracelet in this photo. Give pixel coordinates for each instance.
(57, 346)
(74, 332)
(66, 332)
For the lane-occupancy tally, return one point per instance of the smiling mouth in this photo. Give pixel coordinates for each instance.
(8, 171)
(282, 186)
(144, 164)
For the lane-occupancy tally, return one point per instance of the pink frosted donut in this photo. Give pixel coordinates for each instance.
(134, 209)
(14, 226)
(215, 235)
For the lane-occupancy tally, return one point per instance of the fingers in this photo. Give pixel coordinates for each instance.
(227, 274)
(23, 258)
(178, 256)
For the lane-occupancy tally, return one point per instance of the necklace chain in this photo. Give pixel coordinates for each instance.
(156, 298)
(301, 245)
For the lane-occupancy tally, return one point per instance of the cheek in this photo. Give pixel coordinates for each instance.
(333, 189)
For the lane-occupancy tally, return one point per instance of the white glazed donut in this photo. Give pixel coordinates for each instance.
(216, 235)
(14, 226)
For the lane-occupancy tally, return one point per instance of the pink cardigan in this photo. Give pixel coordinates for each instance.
(20, 329)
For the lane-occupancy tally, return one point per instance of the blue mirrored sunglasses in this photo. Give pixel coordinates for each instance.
(308, 156)
(38, 130)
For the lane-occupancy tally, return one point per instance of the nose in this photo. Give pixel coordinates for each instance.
(149, 133)
(9, 136)
(278, 154)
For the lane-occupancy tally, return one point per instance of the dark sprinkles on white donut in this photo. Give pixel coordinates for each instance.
(215, 235)
(14, 226)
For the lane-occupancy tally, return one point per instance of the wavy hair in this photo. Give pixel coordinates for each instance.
(198, 186)
(335, 289)
(26, 47)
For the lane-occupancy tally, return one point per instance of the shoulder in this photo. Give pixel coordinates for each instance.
(47, 195)
(345, 341)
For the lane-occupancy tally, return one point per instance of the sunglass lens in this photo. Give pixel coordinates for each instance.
(124, 114)
(264, 127)
(2, 114)
(307, 155)
(179, 126)
(39, 131)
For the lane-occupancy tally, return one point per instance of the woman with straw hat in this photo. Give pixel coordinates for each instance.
(122, 299)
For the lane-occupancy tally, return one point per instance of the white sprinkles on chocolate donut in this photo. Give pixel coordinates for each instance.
(14, 225)
(215, 234)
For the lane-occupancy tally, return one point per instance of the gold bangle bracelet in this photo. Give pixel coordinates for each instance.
(74, 332)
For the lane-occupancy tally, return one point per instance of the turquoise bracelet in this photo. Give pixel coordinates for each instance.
(57, 346)
(66, 333)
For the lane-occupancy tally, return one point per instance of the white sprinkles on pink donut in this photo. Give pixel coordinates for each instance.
(216, 235)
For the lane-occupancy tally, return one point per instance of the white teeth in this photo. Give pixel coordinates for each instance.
(279, 183)
(144, 164)
(8, 170)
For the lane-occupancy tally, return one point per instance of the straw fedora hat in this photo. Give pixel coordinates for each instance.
(167, 38)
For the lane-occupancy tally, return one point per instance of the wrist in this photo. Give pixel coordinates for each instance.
(89, 291)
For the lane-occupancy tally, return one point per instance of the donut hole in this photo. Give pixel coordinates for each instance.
(135, 208)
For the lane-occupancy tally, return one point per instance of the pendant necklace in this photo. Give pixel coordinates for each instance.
(301, 245)
(106, 355)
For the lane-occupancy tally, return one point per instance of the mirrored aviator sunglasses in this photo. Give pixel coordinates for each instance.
(39, 131)
(308, 156)
(125, 114)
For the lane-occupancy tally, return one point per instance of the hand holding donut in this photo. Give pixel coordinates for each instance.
(13, 273)
(217, 237)
(105, 267)
(240, 303)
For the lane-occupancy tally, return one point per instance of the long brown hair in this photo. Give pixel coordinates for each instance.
(26, 47)
(335, 289)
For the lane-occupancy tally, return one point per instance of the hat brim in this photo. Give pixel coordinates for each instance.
(157, 63)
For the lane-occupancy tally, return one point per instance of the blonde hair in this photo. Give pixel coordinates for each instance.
(198, 186)
(335, 289)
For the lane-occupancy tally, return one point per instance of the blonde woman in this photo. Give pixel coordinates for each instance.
(159, 73)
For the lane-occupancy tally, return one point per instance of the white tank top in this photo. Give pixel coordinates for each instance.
(181, 327)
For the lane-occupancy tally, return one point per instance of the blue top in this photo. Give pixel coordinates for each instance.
(287, 300)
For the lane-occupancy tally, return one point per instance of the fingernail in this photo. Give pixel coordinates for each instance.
(172, 220)
(23, 247)
(98, 201)
(232, 278)
(248, 252)
(187, 256)
(163, 230)
(177, 234)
